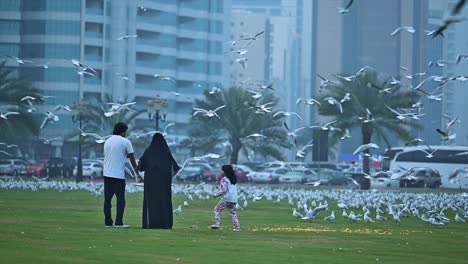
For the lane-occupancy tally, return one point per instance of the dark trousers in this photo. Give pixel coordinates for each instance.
(114, 186)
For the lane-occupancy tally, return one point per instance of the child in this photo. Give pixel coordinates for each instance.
(229, 190)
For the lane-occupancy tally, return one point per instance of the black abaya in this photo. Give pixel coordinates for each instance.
(159, 167)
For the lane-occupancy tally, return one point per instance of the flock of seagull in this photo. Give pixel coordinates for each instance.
(245, 41)
(437, 209)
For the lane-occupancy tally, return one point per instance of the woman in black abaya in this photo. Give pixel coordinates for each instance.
(159, 167)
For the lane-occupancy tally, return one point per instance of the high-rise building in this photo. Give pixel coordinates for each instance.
(456, 92)
(181, 39)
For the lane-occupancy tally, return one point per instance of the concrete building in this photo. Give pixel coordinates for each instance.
(456, 92)
(181, 39)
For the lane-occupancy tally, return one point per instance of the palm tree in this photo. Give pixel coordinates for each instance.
(17, 128)
(237, 122)
(94, 120)
(366, 92)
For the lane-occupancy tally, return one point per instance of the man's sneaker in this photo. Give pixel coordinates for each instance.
(108, 226)
(236, 229)
(121, 226)
(214, 226)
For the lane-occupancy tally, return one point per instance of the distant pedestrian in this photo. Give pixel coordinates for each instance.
(116, 151)
(229, 200)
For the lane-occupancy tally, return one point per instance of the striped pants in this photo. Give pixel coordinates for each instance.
(232, 211)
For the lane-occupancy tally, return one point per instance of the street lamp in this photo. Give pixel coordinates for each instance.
(78, 116)
(157, 110)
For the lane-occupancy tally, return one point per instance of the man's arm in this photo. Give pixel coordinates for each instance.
(131, 156)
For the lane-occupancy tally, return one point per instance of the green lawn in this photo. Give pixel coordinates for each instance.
(67, 227)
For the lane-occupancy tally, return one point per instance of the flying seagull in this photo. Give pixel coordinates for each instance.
(333, 101)
(6, 114)
(127, 37)
(364, 147)
(208, 113)
(346, 8)
(18, 60)
(407, 29)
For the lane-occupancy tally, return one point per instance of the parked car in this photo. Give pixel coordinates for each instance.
(212, 175)
(38, 169)
(269, 175)
(384, 180)
(13, 167)
(92, 169)
(193, 172)
(299, 176)
(331, 177)
(421, 177)
(243, 172)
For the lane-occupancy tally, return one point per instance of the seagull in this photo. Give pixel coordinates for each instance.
(214, 90)
(6, 153)
(262, 109)
(347, 97)
(445, 136)
(294, 132)
(178, 210)
(346, 8)
(324, 81)
(48, 141)
(451, 121)
(18, 60)
(185, 204)
(407, 29)
(8, 146)
(49, 118)
(313, 213)
(315, 183)
(45, 65)
(364, 147)
(310, 101)
(164, 78)
(458, 7)
(417, 140)
(123, 77)
(242, 62)
(330, 217)
(301, 153)
(264, 87)
(4, 115)
(84, 72)
(208, 113)
(438, 63)
(297, 214)
(327, 126)
(367, 218)
(278, 162)
(250, 37)
(64, 107)
(284, 113)
(256, 135)
(127, 37)
(346, 78)
(430, 153)
(459, 219)
(333, 101)
(256, 94)
(460, 57)
(116, 108)
(82, 67)
(400, 116)
(346, 135)
(175, 93)
(411, 76)
(445, 24)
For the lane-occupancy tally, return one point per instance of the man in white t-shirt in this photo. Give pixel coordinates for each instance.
(116, 151)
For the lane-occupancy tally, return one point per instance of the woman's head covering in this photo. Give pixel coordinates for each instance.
(158, 154)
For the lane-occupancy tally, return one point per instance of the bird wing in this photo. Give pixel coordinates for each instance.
(393, 110)
(396, 31)
(443, 133)
(221, 107)
(349, 4)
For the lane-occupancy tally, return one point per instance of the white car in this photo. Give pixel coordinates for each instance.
(384, 180)
(299, 176)
(267, 175)
(92, 169)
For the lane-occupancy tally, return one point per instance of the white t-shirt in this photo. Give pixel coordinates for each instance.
(116, 149)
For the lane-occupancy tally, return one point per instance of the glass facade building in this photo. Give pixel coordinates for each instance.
(181, 39)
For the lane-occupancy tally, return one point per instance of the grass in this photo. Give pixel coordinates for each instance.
(67, 227)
